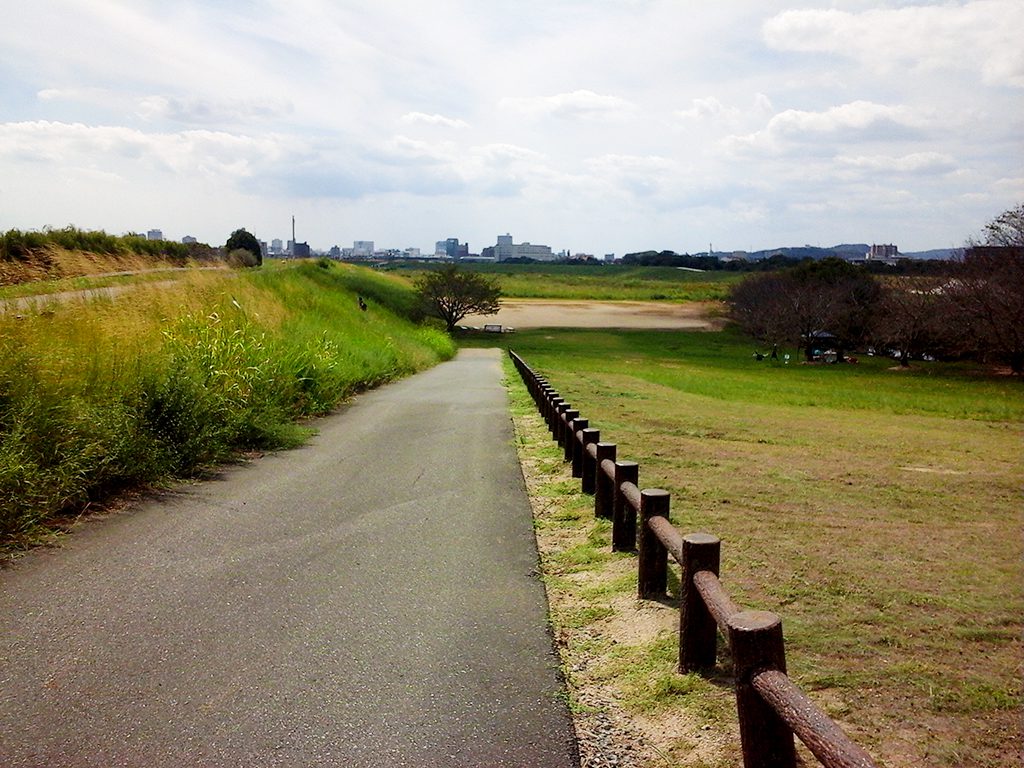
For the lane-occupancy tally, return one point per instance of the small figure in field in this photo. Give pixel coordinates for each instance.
(775, 352)
(362, 304)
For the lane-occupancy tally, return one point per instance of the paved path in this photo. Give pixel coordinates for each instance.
(369, 599)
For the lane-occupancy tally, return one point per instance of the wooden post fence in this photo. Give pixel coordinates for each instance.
(770, 707)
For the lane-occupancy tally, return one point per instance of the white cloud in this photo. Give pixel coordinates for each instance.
(763, 104)
(924, 163)
(437, 120)
(577, 105)
(845, 123)
(206, 153)
(193, 110)
(983, 36)
(708, 108)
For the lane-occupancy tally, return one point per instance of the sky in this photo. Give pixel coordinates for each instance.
(594, 126)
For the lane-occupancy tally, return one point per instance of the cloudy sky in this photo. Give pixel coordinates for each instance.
(591, 125)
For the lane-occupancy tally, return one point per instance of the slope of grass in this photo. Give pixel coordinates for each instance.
(603, 282)
(878, 512)
(163, 381)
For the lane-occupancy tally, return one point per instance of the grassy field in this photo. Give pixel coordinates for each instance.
(877, 511)
(166, 379)
(602, 282)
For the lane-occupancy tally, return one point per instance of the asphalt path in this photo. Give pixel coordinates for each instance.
(369, 599)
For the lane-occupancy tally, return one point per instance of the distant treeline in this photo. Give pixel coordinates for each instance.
(18, 245)
(776, 262)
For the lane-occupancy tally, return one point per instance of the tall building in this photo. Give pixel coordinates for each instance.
(188, 240)
(889, 251)
(155, 234)
(503, 250)
(362, 249)
(451, 249)
(506, 249)
(276, 246)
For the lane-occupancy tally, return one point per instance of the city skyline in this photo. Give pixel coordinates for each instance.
(617, 126)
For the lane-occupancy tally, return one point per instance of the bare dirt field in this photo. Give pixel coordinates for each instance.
(652, 315)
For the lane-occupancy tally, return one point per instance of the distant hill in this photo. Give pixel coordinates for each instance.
(945, 254)
(845, 251)
(842, 251)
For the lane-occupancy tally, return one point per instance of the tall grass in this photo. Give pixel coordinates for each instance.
(166, 380)
(21, 245)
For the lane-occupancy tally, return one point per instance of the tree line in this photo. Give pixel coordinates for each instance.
(975, 312)
(974, 308)
(778, 261)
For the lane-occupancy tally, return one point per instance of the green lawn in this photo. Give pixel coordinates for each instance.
(601, 282)
(877, 511)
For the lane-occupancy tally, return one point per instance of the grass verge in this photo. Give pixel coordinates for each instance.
(100, 394)
(878, 513)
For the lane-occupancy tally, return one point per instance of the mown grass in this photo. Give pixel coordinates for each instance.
(877, 511)
(164, 381)
(604, 282)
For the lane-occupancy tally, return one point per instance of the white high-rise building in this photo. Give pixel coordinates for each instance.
(506, 249)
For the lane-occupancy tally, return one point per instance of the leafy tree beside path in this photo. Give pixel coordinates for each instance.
(450, 294)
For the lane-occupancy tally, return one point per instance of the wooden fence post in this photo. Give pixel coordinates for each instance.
(698, 631)
(578, 425)
(566, 432)
(558, 433)
(755, 638)
(544, 400)
(553, 404)
(588, 482)
(623, 514)
(652, 563)
(605, 484)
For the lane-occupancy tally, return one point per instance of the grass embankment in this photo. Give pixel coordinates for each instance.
(162, 381)
(605, 282)
(54, 254)
(877, 511)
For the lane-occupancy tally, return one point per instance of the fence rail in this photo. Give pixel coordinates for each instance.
(770, 707)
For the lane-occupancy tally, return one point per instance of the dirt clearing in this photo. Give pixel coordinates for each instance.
(650, 315)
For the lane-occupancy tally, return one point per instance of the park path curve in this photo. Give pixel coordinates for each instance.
(369, 599)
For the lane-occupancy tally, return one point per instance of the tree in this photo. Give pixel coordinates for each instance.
(761, 306)
(988, 291)
(245, 241)
(829, 296)
(1006, 229)
(450, 294)
(913, 319)
(846, 295)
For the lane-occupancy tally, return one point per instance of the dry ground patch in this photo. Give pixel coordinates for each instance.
(654, 315)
